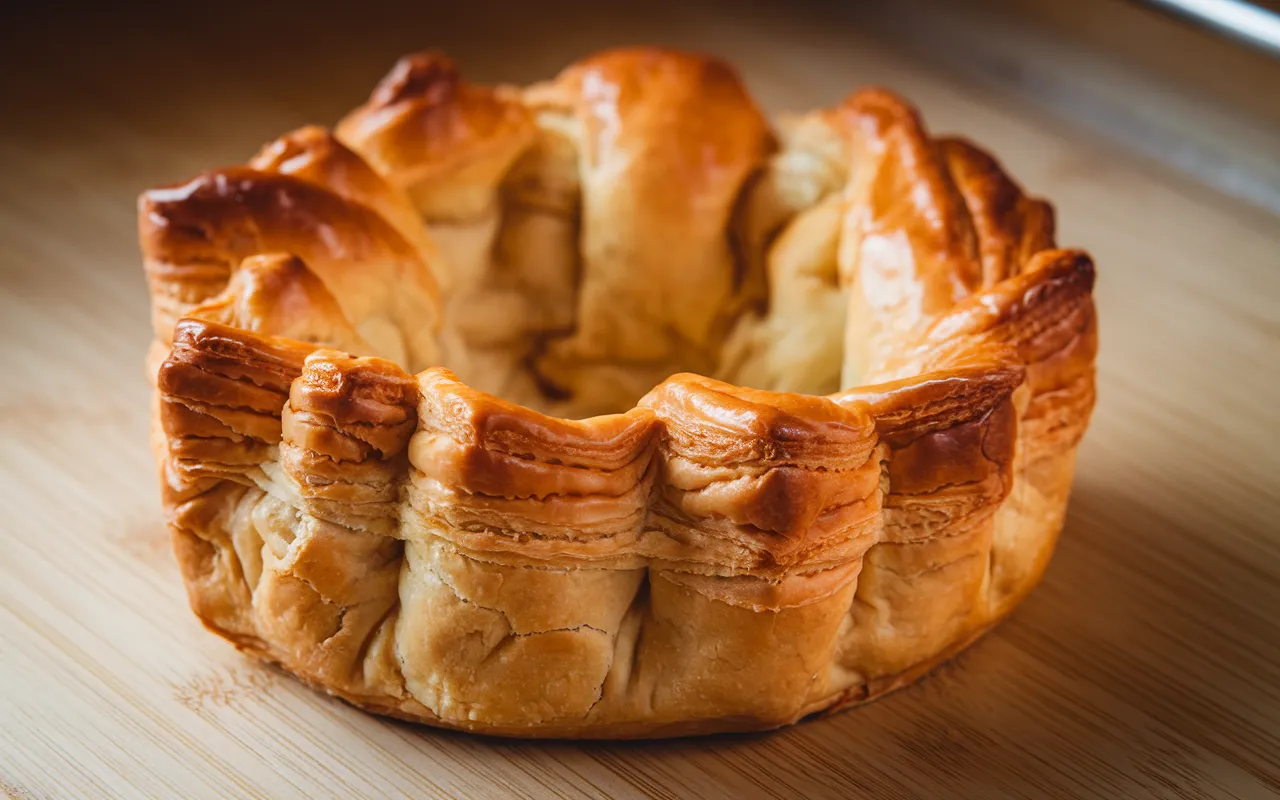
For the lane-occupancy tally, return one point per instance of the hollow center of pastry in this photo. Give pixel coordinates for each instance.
(576, 294)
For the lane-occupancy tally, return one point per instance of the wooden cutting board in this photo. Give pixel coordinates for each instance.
(1147, 663)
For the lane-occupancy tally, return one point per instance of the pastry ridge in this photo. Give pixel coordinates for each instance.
(605, 408)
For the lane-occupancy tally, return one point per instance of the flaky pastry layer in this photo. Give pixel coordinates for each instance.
(452, 408)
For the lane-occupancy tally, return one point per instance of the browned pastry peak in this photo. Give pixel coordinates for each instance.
(622, 96)
(606, 442)
(436, 135)
(718, 423)
(930, 223)
(430, 76)
(369, 399)
(226, 213)
(1010, 226)
(194, 234)
(792, 478)
(492, 550)
(901, 186)
(1044, 314)
(970, 223)
(208, 351)
(1039, 310)
(314, 154)
(908, 408)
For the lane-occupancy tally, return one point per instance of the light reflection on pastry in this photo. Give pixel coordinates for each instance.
(378, 353)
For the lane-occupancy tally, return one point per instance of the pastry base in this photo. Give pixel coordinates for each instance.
(856, 696)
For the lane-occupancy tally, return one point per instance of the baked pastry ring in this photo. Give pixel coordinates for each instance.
(378, 353)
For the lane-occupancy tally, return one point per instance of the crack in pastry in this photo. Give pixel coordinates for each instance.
(603, 408)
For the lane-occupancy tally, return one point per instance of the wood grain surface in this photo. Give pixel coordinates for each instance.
(1146, 664)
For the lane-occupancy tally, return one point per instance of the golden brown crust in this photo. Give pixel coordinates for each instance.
(1044, 311)
(908, 408)
(784, 476)
(717, 557)
(195, 234)
(1010, 226)
(314, 154)
(436, 135)
(221, 394)
(930, 222)
(902, 187)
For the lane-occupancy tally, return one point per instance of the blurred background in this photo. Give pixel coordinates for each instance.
(1189, 83)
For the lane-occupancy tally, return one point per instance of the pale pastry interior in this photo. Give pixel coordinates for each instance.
(605, 407)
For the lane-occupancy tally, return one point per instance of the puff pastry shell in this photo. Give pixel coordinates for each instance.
(452, 417)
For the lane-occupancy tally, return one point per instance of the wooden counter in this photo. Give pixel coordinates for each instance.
(1146, 664)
